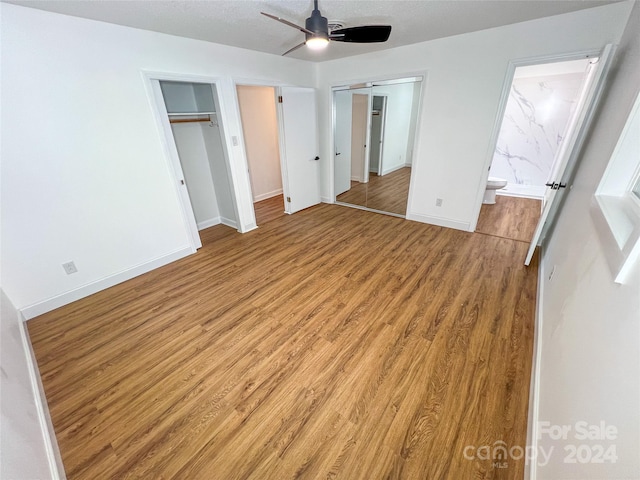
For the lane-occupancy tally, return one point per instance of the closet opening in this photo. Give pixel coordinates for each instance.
(259, 118)
(198, 135)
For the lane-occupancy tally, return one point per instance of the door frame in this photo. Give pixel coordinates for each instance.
(578, 131)
(367, 138)
(276, 93)
(502, 106)
(277, 87)
(152, 81)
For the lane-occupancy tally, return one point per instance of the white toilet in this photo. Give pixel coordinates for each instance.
(493, 184)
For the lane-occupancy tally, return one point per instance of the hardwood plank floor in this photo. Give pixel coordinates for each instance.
(333, 343)
(388, 193)
(269, 209)
(510, 217)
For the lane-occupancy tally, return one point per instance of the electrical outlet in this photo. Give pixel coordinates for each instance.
(69, 268)
(438, 202)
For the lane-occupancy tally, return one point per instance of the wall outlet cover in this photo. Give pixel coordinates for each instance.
(69, 268)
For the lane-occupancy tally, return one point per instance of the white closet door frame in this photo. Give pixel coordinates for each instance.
(162, 119)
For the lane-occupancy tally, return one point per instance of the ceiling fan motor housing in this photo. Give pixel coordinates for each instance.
(317, 24)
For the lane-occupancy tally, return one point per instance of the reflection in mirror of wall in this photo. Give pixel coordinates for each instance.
(374, 136)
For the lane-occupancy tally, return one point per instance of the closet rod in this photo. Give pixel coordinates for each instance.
(188, 120)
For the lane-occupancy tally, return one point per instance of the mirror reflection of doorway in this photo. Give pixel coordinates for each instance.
(374, 134)
(378, 111)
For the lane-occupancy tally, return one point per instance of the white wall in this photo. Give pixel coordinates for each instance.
(197, 172)
(219, 173)
(260, 130)
(91, 184)
(465, 77)
(590, 337)
(22, 447)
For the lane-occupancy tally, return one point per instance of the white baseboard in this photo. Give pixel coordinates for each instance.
(326, 200)
(209, 223)
(530, 473)
(44, 418)
(264, 196)
(522, 193)
(52, 303)
(248, 228)
(391, 170)
(440, 221)
(228, 222)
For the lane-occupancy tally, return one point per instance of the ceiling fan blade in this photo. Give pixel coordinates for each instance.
(362, 34)
(287, 22)
(294, 48)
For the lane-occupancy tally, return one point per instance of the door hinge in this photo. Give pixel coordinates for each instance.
(289, 199)
(279, 98)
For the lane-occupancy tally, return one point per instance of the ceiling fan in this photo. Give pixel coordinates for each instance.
(317, 35)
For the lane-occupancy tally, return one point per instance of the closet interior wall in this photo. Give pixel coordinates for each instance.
(196, 127)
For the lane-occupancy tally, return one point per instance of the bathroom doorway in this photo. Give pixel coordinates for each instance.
(542, 103)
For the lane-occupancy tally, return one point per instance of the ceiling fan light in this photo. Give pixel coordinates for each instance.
(317, 43)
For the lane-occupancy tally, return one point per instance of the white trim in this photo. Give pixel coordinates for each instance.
(327, 200)
(212, 222)
(439, 221)
(248, 228)
(367, 209)
(172, 159)
(229, 222)
(264, 196)
(534, 385)
(52, 303)
(394, 169)
(502, 193)
(44, 418)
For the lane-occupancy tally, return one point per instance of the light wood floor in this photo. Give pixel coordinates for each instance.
(333, 343)
(269, 209)
(388, 193)
(511, 217)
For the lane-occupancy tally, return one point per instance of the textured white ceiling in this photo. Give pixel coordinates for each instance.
(239, 23)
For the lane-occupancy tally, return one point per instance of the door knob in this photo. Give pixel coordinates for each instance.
(337, 153)
(317, 158)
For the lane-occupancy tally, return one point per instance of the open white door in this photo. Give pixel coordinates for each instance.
(342, 140)
(566, 157)
(299, 148)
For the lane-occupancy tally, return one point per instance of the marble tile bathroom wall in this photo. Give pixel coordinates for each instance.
(536, 116)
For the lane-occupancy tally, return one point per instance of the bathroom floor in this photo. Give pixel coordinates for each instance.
(510, 217)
